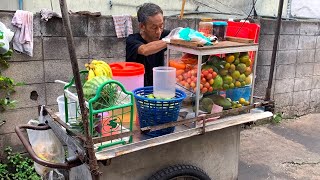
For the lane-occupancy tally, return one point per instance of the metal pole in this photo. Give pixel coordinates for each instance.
(274, 51)
(93, 164)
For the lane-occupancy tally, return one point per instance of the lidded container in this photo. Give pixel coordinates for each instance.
(205, 26)
(164, 82)
(220, 29)
(130, 74)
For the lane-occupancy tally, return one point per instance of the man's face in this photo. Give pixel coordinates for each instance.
(153, 27)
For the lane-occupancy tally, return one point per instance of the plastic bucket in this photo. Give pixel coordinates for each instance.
(72, 109)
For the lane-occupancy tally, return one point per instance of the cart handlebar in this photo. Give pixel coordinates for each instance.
(70, 162)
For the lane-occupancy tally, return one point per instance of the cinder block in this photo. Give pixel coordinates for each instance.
(268, 26)
(36, 25)
(6, 19)
(260, 88)
(13, 141)
(305, 56)
(301, 109)
(283, 100)
(303, 70)
(101, 26)
(266, 42)
(316, 70)
(264, 58)
(53, 90)
(54, 27)
(285, 71)
(16, 117)
(57, 47)
(135, 24)
(104, 47)
(284, 86)
(287, 57)
(262, 73)
(285, 111)
(116, 59)
(288, 42)
(315, 99)
(316, 82)
(37, 52)
(289, 27)
(307, 42)
(318, 42)
(302, 84)
(301, 97)
(171, 23)
(23, 93)
(64, 72)
(26, 72)
(309, 28)
(317, 55)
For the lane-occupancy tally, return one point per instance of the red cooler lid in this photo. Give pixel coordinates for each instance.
(126, 68)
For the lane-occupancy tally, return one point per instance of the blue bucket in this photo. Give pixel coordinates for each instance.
(237, 93)
(153, 112)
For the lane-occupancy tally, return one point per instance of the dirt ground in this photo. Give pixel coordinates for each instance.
(289, 150)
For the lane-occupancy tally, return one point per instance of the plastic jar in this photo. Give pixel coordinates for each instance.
(220, 29)
(205, 27)
(164, 82)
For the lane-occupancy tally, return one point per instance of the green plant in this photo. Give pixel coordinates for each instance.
(277, 118)
(18, 167)
(7, 84)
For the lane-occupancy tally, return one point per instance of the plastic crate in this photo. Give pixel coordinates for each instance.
(246, 30)
(153, 112)
(237, 93)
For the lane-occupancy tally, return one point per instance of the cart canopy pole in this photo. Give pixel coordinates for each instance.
(93, 164)
(274, 51)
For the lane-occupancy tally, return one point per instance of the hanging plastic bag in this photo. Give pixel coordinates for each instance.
(6, 36)
(46, 146)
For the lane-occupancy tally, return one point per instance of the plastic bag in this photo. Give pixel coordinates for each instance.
(46, 146)
(6, 36)
(188, 34)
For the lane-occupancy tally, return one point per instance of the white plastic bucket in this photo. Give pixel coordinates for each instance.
(72, 109)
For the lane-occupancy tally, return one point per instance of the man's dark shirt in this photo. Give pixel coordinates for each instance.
(133, 42)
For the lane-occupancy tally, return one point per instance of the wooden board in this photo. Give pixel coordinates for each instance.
(219, 45)
(240, 40)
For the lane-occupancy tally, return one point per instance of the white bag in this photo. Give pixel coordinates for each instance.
(7, 37)
(46, 146)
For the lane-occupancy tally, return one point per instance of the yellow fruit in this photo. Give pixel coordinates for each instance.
(91, 74)
(242, 77)
(248, 63)
(246, 103)
(241, 67)
(242, 100)
(230, 58)
(232, 67)
(227, 79)
(227, 66)
(235, 74)
(236, 62)
(237, 84)
(248, 80)
(231, 86)
(244, 59)
(243, 83)
(239, 105)
(248, 71)
(223, 72)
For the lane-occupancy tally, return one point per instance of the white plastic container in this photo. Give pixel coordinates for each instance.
(164, 82)
(72, 109)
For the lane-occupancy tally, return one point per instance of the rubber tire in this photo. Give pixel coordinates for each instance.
(179, 170)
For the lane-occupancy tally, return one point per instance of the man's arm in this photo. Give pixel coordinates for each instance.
(152, 47)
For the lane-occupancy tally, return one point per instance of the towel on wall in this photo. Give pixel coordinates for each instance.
(23, 38)
(122, 25)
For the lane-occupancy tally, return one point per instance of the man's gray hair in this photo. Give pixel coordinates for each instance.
(147, 10)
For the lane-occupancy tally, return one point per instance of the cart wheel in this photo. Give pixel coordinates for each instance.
(180, 172)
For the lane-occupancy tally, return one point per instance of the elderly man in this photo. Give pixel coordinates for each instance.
(147, 46)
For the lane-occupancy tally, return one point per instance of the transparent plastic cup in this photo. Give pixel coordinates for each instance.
(164, 82)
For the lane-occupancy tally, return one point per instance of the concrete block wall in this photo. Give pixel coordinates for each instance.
(296, 79)
(94, 37)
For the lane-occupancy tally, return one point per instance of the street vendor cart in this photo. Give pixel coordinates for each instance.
(196, 148)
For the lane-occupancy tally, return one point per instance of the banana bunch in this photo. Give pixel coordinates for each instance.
(98, 68)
